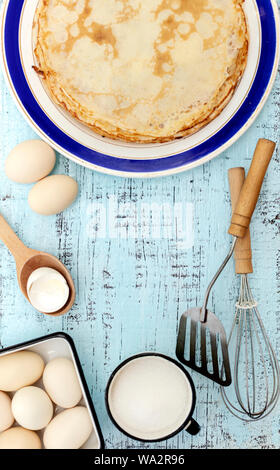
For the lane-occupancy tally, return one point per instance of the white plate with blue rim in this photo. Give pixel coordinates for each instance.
(82, 145)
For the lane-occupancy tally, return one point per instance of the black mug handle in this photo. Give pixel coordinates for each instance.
(193, 427)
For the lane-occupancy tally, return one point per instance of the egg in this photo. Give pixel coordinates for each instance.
(47, 290)
(20, 369)
(61, 382)
(19, 438)
(30, 161)
(70, 429)
(6, 416)
(32, 408)
(53, 194)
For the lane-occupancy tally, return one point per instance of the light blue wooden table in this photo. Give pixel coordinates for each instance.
(138, 271)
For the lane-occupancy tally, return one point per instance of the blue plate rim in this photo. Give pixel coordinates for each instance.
(237, 125)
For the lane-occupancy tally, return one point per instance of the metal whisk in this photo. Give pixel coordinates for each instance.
(256, 372)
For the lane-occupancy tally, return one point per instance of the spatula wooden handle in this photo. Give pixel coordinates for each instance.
(248, 198)
(242, 252)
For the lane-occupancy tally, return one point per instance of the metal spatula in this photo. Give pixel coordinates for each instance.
(201, 342)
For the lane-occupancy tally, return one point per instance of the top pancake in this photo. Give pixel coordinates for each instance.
(141, 70)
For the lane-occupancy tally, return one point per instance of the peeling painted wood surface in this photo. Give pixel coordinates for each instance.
(141, 252)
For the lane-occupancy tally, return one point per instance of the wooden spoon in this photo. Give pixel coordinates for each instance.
(27, 260)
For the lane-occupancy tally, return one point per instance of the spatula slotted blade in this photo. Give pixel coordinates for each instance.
(208, 350)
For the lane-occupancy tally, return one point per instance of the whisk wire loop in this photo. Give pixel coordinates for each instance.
(256, 391)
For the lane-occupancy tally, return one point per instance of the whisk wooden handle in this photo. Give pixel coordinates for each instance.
(248, 198)
(242, 252)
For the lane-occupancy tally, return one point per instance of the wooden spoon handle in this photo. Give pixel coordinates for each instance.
(248, 198)
(19, 251)
(242, 251)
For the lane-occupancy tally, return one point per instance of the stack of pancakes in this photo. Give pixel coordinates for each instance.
(141, 70)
